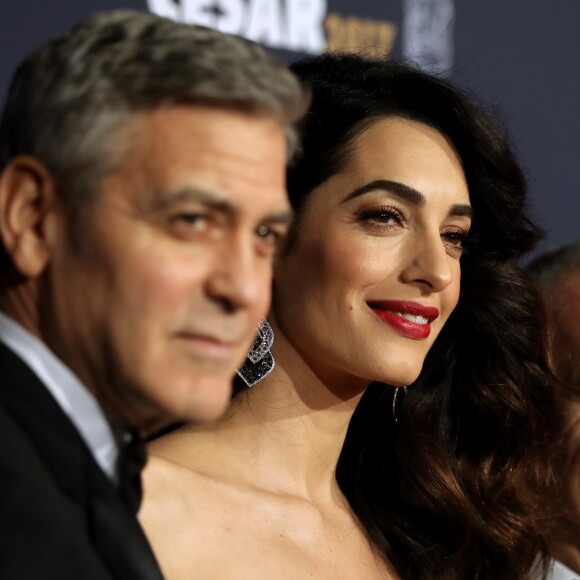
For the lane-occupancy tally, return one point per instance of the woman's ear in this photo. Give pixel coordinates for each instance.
(27, 195)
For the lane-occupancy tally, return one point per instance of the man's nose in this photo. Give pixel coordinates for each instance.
(240, 276)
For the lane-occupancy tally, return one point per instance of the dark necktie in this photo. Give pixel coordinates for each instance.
(119, 537)
(130, 463)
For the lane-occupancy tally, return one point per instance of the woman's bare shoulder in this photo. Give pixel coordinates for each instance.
(168, 488)
(184, 477)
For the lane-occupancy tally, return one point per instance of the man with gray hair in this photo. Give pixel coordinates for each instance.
(142, 194)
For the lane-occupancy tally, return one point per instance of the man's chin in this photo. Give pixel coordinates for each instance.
(153, 407)
(203, 401)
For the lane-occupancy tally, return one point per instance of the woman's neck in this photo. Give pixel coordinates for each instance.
(285, 434)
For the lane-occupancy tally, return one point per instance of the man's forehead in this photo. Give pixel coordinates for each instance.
(177, 165)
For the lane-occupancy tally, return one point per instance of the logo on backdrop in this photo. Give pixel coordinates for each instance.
(304, 26)
(428, 33)
(297, 25)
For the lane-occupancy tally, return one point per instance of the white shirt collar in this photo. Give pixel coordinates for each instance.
(71, 395)
(561, 572)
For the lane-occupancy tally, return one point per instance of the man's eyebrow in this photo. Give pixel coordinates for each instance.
(197, 195)
(216, 201)
(401, 190)
(408, 194)
(284, 218)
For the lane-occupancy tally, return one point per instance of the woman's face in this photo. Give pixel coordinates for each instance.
(374, 273)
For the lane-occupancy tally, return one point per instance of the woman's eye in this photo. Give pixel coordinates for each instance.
(382, 217)
(456, 240)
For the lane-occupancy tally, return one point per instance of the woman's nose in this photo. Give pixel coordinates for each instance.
(428, 263)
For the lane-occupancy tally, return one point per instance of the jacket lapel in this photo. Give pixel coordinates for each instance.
(117, 534)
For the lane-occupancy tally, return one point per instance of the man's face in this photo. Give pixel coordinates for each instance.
(160, 299)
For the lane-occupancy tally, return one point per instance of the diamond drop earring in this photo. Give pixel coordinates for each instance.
(395, 395)
(260, 362)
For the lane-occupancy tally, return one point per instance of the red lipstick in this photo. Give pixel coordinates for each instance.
(411, 319)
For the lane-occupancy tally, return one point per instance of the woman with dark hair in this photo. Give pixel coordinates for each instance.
(406, 428)
(557, 274)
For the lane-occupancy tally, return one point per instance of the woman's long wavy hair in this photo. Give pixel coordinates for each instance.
(459, 487)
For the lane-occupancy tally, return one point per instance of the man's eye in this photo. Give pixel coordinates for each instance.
(193, 226)
(193, 221)
(265, 232)
(269, 237)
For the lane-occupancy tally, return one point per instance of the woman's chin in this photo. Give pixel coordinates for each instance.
(401, 379)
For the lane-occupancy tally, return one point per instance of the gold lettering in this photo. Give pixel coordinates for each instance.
(357, 35)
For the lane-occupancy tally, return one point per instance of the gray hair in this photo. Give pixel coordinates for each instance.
(550, 267)
(70, 102)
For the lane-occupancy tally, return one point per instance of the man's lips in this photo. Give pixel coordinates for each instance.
(411, 319)
(210, 346)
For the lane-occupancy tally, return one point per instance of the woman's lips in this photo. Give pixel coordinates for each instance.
(411, 319)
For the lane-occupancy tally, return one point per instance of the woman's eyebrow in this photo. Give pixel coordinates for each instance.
(461, 209)
(408, 194)
(401, 190)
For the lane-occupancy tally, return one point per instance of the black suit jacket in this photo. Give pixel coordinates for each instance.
(60, 516)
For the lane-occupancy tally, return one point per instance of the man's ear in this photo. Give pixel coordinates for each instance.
(27, 195)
